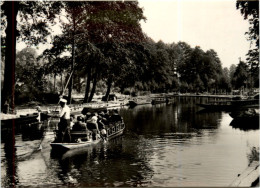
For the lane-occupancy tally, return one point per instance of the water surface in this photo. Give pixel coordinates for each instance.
(163, 145)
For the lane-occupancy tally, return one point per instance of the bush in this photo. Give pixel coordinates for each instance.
(142, 93)
(126, 92)
(51, 98)
(253, 155)
(133, 94)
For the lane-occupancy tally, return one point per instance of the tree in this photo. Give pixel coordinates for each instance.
(240, 76)
(226, 80)
(99, 31)
(32, 26)
(110, 25)
(75, 15)
(184, 54)
(232, 70)
(250, 10)
(30, 81)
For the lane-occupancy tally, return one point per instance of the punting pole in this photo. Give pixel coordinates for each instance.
(40, 145)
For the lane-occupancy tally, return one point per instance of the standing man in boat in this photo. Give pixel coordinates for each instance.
(64, 125)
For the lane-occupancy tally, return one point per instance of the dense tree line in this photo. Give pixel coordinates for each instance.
(107, 50)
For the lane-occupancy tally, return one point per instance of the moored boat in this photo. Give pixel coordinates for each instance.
(93, 109)
(22, 119)
(54, 111)
(231, 105)
(159, 100)
(139, 101)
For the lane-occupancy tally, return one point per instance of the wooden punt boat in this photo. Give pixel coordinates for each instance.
(113, 131)
(93, 109)
(231, 105)
(139, 101)
(69, 146)
(23, 119)
(53, 112)
(159, 101)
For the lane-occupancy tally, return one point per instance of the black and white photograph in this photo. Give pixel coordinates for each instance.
(120, 93)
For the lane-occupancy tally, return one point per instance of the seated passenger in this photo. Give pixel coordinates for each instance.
(88, 116)
(115, 117)
(106, 114)
(102, 127)
(103, 118)
(72, 120)
(93, 126)
(79, 125)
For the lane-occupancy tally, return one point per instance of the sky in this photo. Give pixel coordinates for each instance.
(210, 24)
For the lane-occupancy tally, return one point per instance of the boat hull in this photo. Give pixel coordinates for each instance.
(31, 118)
(133, 103)
(154, 102)
(70, 146)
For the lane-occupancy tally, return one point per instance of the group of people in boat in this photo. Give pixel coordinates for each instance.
(93, 124)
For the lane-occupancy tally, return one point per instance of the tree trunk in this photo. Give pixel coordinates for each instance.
(93, 87)
(54, 83)
(80, 86)
(8, 93)
(87, 86)
(61, 80)
(109, 84)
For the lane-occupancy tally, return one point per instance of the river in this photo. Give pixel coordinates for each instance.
(171, 145)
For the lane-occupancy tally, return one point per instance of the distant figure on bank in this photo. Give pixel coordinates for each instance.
(38, 109)
(64, 124)
(6, 108)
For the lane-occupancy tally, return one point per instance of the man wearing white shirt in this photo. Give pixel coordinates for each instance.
(64, 125)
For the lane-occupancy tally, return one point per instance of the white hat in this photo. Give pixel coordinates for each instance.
(63, 100)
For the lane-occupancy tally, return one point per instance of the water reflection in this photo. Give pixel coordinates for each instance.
(8, 161)
(245, 125)
(182, 116)
(33, 131)
(110, 164)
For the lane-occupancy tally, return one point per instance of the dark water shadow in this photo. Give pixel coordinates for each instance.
(10, 164)
(245, 125)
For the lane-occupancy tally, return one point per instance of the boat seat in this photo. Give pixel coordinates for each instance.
(83, 135)
(79, 133)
